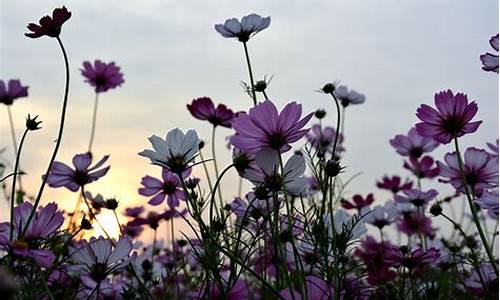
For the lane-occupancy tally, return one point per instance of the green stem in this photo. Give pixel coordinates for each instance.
(473, 209)
(254, 97)
(13, 193)
(216, 187)
(59, 137)
(335, 143)
(14, 141)
(216, 168)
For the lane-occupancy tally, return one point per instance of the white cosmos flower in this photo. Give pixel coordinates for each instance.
(244, 30)
(98, 258)
(267, 172)
(381, 216)
(176, 152)
(343, 221)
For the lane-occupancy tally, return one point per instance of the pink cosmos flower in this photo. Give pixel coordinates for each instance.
(96, 259)
(416, 197)
(480, 168)
(61, 175)
(394, 184)
(203, 109)
(490, 61)
(489, 201)
(243, 30)
(484, 285)
(317, 289)
(102, 76)
(415, 223)
(12, 91)
(493, 148)
(263, 127)
(153, 219)
(46, 222)
(422, 168)
(323, 139)
(373, 253)
(413, 144)
(50, 27)
(348, 97)
(239, 291)
(452, 119)
(358, 202)
(169, 187)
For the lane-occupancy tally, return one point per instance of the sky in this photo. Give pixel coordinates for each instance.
(397, 53)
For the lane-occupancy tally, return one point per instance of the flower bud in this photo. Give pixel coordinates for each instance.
(260, 86)
(320, 114)
(85, 225)
(111, 204)
(32, 124)
(328, 88)
(436, 209)
(333, 168)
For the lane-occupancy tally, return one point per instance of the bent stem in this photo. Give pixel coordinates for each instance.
(334, 150)
(13, 193)
(254, 97)
(14, 141)
(59, 137)
(94, 119)
(216, 168)
(473, 209)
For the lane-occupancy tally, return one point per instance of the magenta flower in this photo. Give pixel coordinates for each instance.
(416, 197)
(102, 76)
(243, 30)
(14, 90)
(49, 26)
(489, 201)
(317, 289)
(46, 222)
(394, 184)
(263, 127)
(61, 175)
(169, 187)
(358, 202)
(452, 119)
(153, 219)
(480, 168)
(490, 61)
(413, 144)
(412, 259)
(323, 139)
(203, 109)
(372, 253)
(493, 148)
(422, 168)
(415, 223)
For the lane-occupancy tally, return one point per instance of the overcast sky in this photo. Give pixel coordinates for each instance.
(398, 53)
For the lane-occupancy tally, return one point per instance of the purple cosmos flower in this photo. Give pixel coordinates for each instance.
(97, 202)
(484, 285)
(323, 139)
(413, 144)
(249, 26)
(134, 212)
(132, 231)
(61, 175)
(415, 223)
(98, 258)
(175, 152)
(46, 222)
(49, 26)
(416, 197)
(490, 61)
(203, 109)
(317, 289)
(480, 168)
(263, 127)
(381, 216)
(358, 202)
(489, 201)
(452, 119)
(153, 219)
(412, 259)
(372, 253)
(422, 168)
(348, 97)
(493, 148)
(239, 290)
(342, 221)
(394, 184)
(266, 175)
(12, 91)
(102, 76)
(169, 187)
